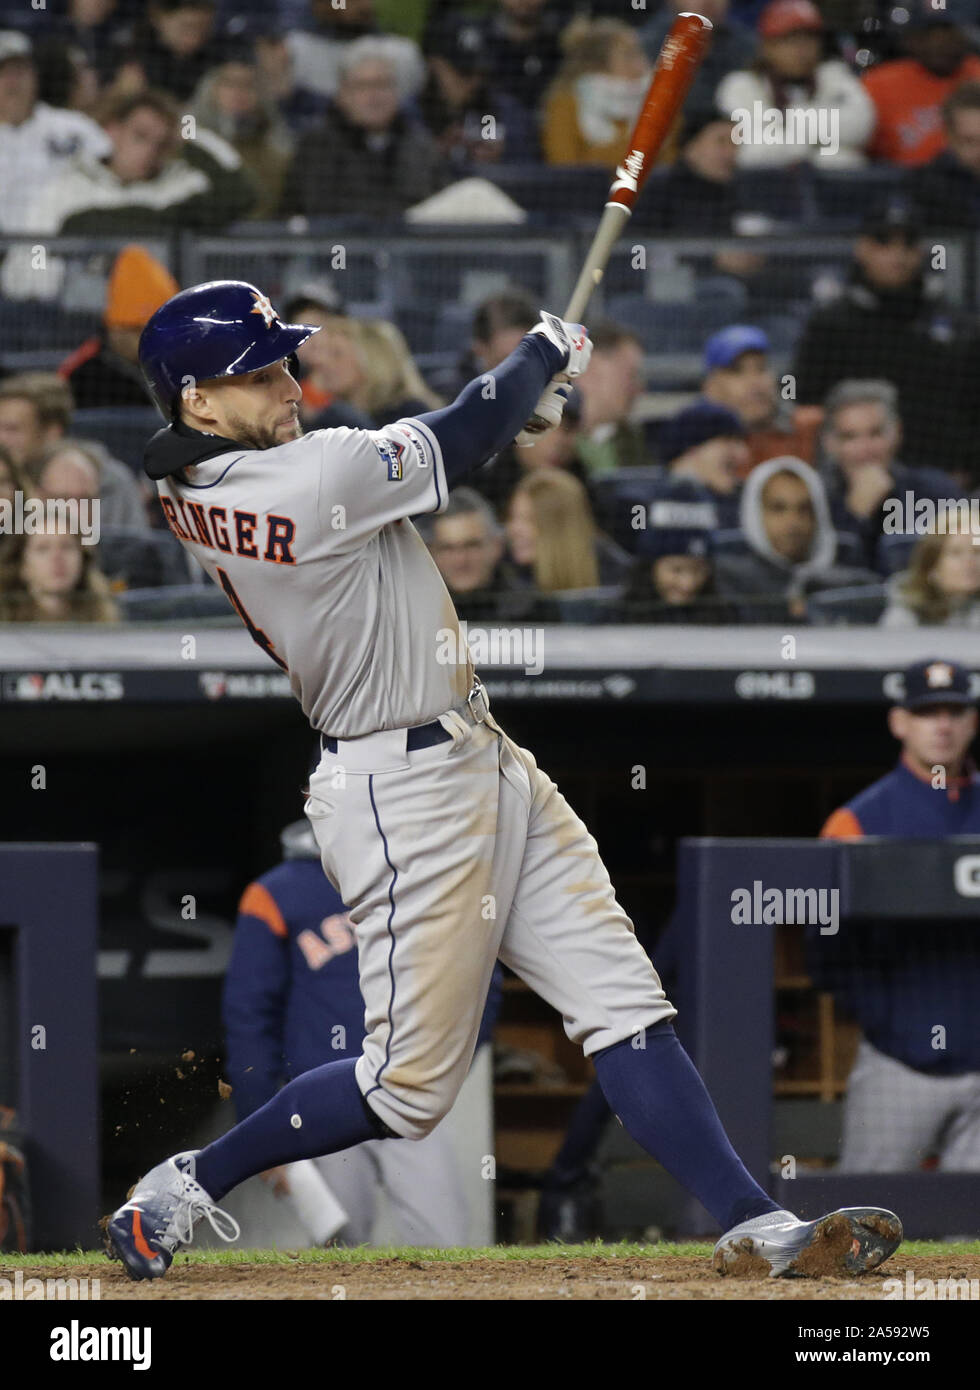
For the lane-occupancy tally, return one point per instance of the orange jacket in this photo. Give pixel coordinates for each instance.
(908, 98)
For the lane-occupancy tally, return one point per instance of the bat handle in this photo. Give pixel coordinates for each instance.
(613, 221)
(610, 228)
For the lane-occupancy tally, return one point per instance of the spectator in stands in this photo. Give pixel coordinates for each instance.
(319, 54)
(887, 322)
(367, 364)
(66, 76)
(739, 375)
(791, 545)
(552, 538)
(941, 587)
(366, 156)
(172, 47)
(517, 46)
(732, 46)
(74, 468)
(946, 191)
(473, 121)
(673, 578)
(791, 76)
(96, 28)
(593, 102)
(912, 1096)
(318, 302)
(706, 443)
(499, 324)
(908, 92)
(104, 370)
(697, 193)
(146, 184)
(467, 543)
(862, 438)
(609, 390)
(229, 101)
(57, 580)
(301, 109)
(35, 411)
(37, 141)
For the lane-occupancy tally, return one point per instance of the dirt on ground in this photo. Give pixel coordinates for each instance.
(673, 1277)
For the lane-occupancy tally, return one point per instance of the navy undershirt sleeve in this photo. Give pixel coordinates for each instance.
(478, 425)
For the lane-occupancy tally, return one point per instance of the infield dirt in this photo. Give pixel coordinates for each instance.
(532, 1279)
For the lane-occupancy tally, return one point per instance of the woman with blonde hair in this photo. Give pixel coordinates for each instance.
(940, 588)
(368, 364)
(552, 536)
(56, 580)
(592, 103)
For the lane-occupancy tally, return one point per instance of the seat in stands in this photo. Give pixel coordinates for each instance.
(142, 559)
(857, 605)
(179, 601)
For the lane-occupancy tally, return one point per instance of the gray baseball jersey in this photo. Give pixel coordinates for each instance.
(312, 544)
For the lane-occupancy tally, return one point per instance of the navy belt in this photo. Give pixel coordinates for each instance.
(421, 736)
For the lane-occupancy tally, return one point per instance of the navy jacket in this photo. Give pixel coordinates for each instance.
(901, 979)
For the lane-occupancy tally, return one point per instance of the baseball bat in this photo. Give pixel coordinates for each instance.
(680, 57)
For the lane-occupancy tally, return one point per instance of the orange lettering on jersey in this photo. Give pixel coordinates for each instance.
(182, 504)
(279, 540)
(317, 952)
(218, 518)
(245, 523)
(170, 512)
(196, 510)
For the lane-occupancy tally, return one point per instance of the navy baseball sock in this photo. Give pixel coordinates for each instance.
(332, 1115)
(663, 1103)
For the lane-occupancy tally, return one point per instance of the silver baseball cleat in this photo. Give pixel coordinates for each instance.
(852, 1240)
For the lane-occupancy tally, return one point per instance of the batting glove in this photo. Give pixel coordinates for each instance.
(573, 341)
(547, 413)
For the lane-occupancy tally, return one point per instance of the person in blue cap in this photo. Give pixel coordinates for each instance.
(738, 374)
(909, 1100)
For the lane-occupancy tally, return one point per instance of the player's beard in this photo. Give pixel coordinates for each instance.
(262, 436)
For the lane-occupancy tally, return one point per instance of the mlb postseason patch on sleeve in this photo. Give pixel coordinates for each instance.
(392, 454)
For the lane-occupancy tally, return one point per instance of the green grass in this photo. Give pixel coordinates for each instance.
(365, 1254)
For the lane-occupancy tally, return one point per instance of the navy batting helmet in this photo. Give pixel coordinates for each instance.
(223, 328)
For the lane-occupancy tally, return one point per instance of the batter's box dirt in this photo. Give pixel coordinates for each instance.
(665, 1277)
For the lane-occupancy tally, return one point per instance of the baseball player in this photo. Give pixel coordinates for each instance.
(907, 1098)
(449, 845)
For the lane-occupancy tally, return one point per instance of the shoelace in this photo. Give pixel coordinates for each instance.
(193, 1203)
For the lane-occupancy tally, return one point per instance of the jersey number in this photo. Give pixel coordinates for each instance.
(259, 637)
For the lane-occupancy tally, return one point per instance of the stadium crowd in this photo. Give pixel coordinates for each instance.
(821, 467)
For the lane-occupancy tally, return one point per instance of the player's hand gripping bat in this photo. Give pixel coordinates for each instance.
(680, 57)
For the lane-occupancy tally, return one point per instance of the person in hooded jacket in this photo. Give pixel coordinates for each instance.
(792, 547)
